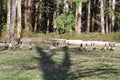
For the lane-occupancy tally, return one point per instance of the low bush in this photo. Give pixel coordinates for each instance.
(28, 33)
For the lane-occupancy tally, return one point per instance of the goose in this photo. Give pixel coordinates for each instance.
(94, 46)
(91, 47)
(81, 47)
(86, 47)
(30, 46)
(52, 47)
(109, 46)
(104, 48)
(6, 45)
(113, 47)
(57, 43)
(20, 45)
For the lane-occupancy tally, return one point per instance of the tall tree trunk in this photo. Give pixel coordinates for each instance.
(36, 16)
(39, 20)
(102, 16)
(106, 17)
(78, 18)
(106, 24)
(88, 16)
(27, 14)
(113, 16)
(110, 22)
(12, 22)
(18, 19)
(48, 23)
(8, 17)
(93, 15)
(55, 26)
(55, 15)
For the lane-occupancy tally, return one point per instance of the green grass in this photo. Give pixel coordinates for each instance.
(115, 36)
(62, 64)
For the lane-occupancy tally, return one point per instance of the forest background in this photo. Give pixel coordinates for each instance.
(32, 18)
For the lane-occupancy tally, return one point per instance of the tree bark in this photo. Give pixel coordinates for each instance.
(78, 18)
(48, 23)
(39, 29)
(12, 22)
(55, 15)
(8, 17)
(36, 16)
(27, 14)
(102, 16)
(110, 22)
(106, 17)
(113, 16)
(106, 24)
(18, 19)
(93, 15)
(88, 16)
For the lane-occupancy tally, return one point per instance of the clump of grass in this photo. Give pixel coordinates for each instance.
(116, 36)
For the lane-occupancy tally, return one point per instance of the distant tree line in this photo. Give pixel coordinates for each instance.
(60, 16)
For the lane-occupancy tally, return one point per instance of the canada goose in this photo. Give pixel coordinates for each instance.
(20, 45)
(86, 47)
(54, 44)
(30, 46)
(52, 47)
(113, 47)
(81, 47)
(104, 48)
(57, 43)
(109, 46)
(6, 45)
(94, 46)
(10, 46)
(91, 47)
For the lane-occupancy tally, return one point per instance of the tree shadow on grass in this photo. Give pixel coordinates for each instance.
(53, 71)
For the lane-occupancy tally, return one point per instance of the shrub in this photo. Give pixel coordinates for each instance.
(3, 31)
(28, 33)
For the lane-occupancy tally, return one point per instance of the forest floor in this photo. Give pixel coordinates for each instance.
(63, 63)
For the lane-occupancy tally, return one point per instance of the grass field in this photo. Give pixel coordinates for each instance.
(115, 36)
(64, 63)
